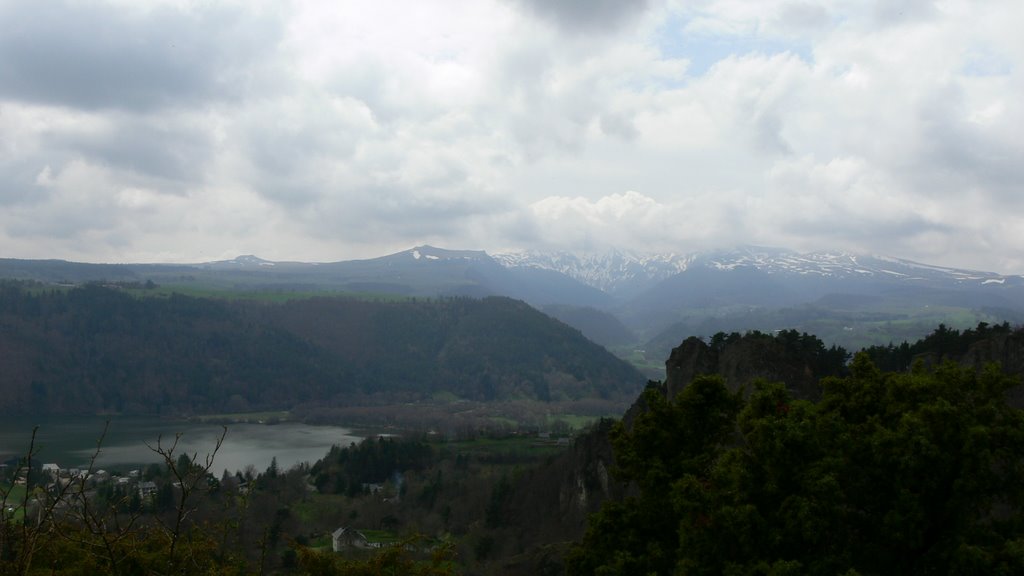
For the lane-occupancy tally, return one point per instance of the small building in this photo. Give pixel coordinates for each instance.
(147, 489)
(346, 537)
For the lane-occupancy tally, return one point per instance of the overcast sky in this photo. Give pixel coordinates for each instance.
(184, 131)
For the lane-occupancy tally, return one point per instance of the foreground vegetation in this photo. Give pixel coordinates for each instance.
(903, 462)
(889, 473)
(429, 503)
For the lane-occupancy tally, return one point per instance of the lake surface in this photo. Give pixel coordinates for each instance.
(72, 441)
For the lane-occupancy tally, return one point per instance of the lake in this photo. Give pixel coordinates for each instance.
(71, 441)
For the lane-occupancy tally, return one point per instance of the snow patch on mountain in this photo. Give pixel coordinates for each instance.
(619, 272)
(612, 272)
(432, 253)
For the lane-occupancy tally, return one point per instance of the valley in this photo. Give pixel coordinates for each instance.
(412, 413)
(622, 300)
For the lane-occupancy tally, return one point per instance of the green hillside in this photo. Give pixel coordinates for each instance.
(94, 348)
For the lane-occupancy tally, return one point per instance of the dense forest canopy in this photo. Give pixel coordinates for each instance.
(917, 472)
(95, 348)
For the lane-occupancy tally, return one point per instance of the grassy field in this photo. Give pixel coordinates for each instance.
(380, 536)
(14, 497)
(650, 367)
(308, 509)
(901, 324)
(575, 421)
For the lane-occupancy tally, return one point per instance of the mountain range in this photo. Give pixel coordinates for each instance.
(618, 298)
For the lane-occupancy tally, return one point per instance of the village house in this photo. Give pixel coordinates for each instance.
(147, 489)
(346, 537)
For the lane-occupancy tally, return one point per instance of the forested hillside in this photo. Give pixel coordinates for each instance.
(719, 470)
(786, 401)
(95, 348)
(888, 473)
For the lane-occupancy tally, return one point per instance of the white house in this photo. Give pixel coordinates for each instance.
(346, 537)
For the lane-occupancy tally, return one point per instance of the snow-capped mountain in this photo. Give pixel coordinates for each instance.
(840, 265)
(850, 298)
(624, 274)
(617, 273)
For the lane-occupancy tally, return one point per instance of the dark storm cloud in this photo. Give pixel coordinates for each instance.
(96, 56)
(587, 16)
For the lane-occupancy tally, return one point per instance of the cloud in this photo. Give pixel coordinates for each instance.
(100, 55)
(325, 130)
(629, 219)
(587, 16)
(800, 17)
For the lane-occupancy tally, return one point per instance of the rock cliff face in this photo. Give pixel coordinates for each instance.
(570, 489)
(1004, 350)
(549, 506)
(745, 359)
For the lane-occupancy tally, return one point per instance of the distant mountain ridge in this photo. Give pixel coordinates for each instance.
(616, 272)
(850, 299)
(610, 270)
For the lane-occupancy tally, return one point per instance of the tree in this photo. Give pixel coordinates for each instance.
(670, 442)
(888, 473)
(68, 528)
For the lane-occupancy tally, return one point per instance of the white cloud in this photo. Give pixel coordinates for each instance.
(330, 130)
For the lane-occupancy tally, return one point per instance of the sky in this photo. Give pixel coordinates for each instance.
(199, 130)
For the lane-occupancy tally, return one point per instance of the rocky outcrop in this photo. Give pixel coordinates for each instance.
(1005, 350)
(741, 360)
(549, 505)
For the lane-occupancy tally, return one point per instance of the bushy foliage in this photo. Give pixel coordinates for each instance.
(400, 559)
(789, 347)
(344, 470)
(889, 473)
(942, 343)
